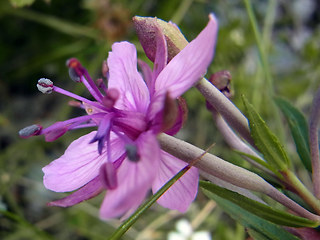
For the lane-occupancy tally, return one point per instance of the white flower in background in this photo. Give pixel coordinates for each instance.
(184, 231)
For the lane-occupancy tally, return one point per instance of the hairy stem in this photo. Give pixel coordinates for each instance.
(226, 108)
(228, 172)
(314, 144)
(303, 192)
(236, 143)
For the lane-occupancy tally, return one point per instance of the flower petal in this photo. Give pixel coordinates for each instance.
(189, 65)
(124, 76)
(79, 164)
(88, 191)
(146, 72)
(134, 179)
(161, 56)
(180, 195)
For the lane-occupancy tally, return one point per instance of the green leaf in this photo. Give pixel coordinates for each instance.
(257, 160)
(263, 211)
(299, 130)
(144, 207)
(21, 3)
(265, 140)
(257, 227)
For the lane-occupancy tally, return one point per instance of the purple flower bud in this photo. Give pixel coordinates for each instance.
(30, 131)
(45, 85)
(146, 28)
(221, 80)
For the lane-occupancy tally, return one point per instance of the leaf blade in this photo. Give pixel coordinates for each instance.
(265, 140)
(261, 210)
(299, 130)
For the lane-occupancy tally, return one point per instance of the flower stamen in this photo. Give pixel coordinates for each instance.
(30, 131)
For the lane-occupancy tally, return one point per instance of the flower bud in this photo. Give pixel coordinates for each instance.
(221, 80)
(45, 85)
(30, 131)
(146, 28)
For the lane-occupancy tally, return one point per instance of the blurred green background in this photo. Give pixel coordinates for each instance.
(36, 39)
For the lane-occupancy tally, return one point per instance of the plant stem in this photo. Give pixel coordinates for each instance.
(236, 143)
(262, 49)
(228, 172)
(226, 108)
(303, 192)
(314, 143)
(181, 11)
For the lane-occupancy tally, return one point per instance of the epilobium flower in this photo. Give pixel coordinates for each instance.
(123, 154)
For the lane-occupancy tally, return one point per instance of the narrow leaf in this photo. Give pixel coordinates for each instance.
(263, 211)
(259, 228)
(265, 140)
(299, 130)
(256, 235)
(144, 207)
(257, 160)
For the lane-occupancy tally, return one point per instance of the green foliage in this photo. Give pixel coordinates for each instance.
(259, 209)
(21, 3)
(256, 226)
(265, 140)
(299, 130)
(144, 207)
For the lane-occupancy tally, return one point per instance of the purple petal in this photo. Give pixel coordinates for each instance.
(124, 76)
(88, 191)
(182, 192)
(79, 164)
(189, 65)
(161, 57)
(146, 72)
(134, 179)
(182, 116)
(108, 175)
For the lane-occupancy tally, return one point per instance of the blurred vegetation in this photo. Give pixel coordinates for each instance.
(38, 36)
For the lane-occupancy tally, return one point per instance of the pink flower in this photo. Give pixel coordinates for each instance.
(123, 155)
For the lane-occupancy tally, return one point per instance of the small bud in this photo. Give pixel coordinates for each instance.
(132, 153)
(221, 80)
(45, 85)
(30, 131)
(146, 28)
